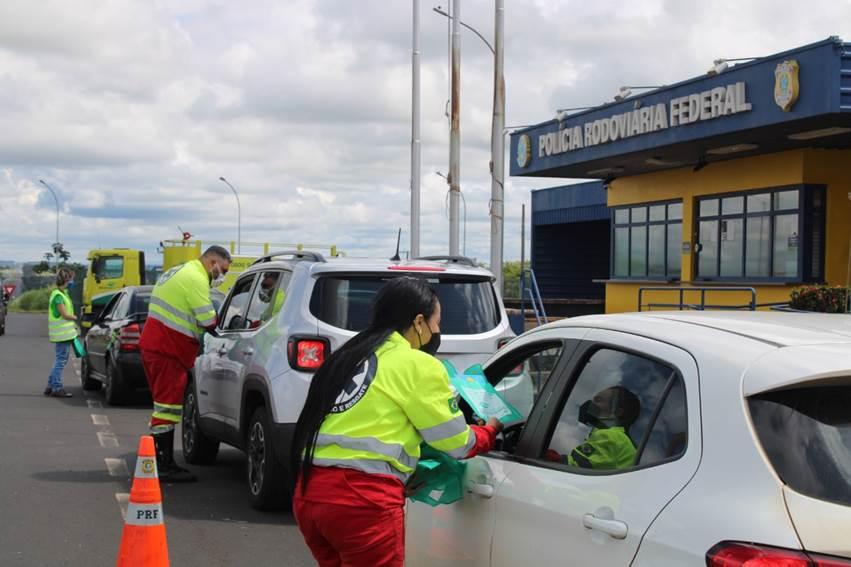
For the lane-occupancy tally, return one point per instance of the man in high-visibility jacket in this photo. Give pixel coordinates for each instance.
(179, 312)
(608, 445)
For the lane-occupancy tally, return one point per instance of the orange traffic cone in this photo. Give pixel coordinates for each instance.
(143, 542)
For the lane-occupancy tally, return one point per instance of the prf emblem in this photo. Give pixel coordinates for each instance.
(148, 466)
(786, 85)
(524, 151)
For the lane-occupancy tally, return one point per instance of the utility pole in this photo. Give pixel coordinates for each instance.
(498, 147)
(238, 216)
(416, 149)
(455, 133)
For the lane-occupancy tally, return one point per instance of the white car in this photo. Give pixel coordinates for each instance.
(663, 439)
(280, 320)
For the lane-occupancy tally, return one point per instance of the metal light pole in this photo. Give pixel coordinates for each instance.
(238, 216)
(416, 149)
(455, 132)
(498, 147)
(52, 192)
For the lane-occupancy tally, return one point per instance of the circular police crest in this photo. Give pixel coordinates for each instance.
(524, 151)
(355, 387)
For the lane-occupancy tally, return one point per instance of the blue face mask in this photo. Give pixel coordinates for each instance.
(71, 284)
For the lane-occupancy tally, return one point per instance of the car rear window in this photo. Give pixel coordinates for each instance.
(468, 306)
(140, 303)
(806, 433)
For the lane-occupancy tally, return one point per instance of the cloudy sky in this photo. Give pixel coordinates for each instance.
(132, 109)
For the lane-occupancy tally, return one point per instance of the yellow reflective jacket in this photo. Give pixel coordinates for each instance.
(604, 449)
(60, 330)
(399, 398)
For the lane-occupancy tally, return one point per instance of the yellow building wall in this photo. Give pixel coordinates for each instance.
(828, 167)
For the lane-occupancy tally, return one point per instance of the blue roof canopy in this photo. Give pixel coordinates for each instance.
(795, 99)
(569, 204)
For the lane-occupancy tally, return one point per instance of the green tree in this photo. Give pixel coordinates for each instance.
(511, 277)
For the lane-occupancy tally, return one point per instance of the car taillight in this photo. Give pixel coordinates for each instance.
(128, 337)
(735, 554)
(307, 353)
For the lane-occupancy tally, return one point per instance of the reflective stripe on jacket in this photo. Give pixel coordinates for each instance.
(399, 398)
(604, 449)
(60, 330)
(181, 300)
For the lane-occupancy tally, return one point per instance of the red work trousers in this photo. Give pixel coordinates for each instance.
(352, 536)
(167, 380)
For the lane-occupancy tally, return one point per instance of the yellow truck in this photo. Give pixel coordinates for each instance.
(111, 269)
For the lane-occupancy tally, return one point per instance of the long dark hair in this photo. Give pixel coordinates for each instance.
(396, 305)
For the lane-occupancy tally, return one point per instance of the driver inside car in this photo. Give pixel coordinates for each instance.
(271, 295)
(608, 446)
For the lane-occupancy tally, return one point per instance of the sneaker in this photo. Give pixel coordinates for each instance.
(48, 391)
(60, 393)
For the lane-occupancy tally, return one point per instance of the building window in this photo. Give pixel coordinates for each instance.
(646, 242)
(768, 235)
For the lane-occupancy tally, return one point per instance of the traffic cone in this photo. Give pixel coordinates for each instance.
(143, 542)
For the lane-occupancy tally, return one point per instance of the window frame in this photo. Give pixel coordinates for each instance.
(254, 290)
(546, 425)
(804, 210)
(647, 223)
(100, 267)
(226, 305)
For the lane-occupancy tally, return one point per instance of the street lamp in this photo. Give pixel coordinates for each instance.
(238, 216)
(440, 11)
(561, 113)
(497, 164)
(625, 92)
(52, 192)
(720, 65)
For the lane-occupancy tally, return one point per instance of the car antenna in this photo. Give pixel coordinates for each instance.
(396, 257)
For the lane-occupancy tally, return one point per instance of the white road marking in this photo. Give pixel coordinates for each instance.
(107, 439)
(122, 498)
(98, 419)
(94, 404)
(117, 467)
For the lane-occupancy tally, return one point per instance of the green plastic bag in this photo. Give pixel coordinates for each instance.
(442, 478)
(78, 348)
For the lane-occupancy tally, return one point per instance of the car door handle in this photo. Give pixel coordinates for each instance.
(483, 490)
(222, 351)
(614, 528)
(248, 351)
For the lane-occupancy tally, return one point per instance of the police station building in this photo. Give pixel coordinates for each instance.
(740, 178)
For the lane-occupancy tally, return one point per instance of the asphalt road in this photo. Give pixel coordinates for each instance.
(64, 477)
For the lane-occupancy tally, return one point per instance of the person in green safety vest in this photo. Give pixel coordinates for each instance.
(61, 331)
(273, 295)
(608, 445)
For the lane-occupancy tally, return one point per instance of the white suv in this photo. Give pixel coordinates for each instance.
(280, 320)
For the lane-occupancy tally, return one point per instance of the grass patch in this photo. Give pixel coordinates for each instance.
(33, 301)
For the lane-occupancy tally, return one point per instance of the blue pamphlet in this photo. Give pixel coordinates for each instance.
(485, 401)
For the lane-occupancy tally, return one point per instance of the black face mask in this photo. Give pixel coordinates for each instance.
(589, 415)
(432, 345)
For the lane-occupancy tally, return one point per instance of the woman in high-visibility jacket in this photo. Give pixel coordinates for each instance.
(61, 331)
(357, 441)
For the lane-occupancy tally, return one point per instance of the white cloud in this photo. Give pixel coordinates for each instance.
(132, 110)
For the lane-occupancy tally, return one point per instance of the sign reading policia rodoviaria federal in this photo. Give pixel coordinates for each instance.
(706, 105)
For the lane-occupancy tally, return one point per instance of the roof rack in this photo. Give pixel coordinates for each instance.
(451, 259)
(297, 255)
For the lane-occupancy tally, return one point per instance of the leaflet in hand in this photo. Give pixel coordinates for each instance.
(485, 401)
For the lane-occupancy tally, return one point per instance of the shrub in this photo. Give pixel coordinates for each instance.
(33, 300)
(820, 298)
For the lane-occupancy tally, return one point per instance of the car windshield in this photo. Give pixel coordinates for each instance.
(806, 433)
(468, 305)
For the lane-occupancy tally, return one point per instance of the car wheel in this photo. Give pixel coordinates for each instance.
(89, 384)
(267, 480)
(114, 389)
(198, 449)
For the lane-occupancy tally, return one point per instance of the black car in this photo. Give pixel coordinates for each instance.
(112, 356)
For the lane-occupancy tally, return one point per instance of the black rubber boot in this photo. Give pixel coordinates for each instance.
(166, 467)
